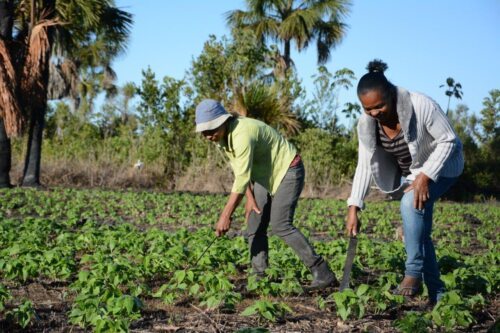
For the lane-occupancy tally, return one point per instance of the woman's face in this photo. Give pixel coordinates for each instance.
(377, 105)
(215, 135)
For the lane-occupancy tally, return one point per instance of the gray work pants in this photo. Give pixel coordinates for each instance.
(278, 211)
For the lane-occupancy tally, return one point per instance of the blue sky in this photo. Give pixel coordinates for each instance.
(422, 41)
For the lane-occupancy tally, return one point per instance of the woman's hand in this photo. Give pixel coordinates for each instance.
(352, 223)
(251, 206)
(420, 187)
(222, 225)
(224, 222)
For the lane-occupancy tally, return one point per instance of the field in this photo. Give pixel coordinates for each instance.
(110, 261)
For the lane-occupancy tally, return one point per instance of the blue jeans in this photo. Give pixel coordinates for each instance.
(417, 225)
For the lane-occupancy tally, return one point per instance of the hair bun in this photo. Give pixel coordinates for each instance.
(377, 65)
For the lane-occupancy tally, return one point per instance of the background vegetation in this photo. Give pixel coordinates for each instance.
(153, 121)
(95, 131)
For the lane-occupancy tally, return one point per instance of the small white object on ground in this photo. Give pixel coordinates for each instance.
(138, 165)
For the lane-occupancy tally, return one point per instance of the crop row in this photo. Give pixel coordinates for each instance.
(118, 250)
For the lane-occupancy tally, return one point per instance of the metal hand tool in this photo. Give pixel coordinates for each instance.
(351, 252)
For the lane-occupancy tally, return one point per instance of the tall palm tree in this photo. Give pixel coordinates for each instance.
(301, 22)
(454, 89)
(45, 30)
(10, 116)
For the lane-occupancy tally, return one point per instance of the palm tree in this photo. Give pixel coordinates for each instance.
(454, 89)
(129, 90)
(10, 115)
(45, 30)
(301, 22)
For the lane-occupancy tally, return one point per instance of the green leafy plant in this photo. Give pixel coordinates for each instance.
(4, 296)
(352, 303)
(267, 310)
(414, 322)
(452, 312)
(23, 314)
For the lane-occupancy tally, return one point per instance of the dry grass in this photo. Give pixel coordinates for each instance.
(206, 177)
(80, 173)
(203, 177)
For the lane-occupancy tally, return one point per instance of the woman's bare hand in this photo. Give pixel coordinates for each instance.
(352, 223)
(420, 186)
(222, 225)
(251, 206)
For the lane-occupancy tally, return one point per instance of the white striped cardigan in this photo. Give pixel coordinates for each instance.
(434, 147)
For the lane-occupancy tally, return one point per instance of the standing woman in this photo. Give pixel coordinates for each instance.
(270, 173)
(408, 147)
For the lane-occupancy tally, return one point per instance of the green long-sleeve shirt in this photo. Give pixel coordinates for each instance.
(258, 153)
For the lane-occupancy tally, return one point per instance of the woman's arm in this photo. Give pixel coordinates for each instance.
(439, 128)
(241, 163)
(251, 204)
(362, 179)
(359, 191)
(224, 222)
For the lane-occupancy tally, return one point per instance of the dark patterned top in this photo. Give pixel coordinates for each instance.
(398, 148)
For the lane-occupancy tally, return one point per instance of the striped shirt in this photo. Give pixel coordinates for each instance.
(397, 147)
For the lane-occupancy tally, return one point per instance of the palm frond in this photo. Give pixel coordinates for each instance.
(328, 36)
(238, 104)
(328, 8)
(84, 12)
(116, 26)
(235, 18)
(57, 88)
(70, 72)
(10, 111)
(63, 80)
(264, 27)
(299, 27)
(37, 62)
(262, 102)
(260, 7)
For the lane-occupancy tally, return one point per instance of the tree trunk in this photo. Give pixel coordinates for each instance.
(31, 175)
(286, 55)
(6, 24)
(5, 157)
(6, 19)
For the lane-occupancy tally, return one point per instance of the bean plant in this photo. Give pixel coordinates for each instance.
(119, 251)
